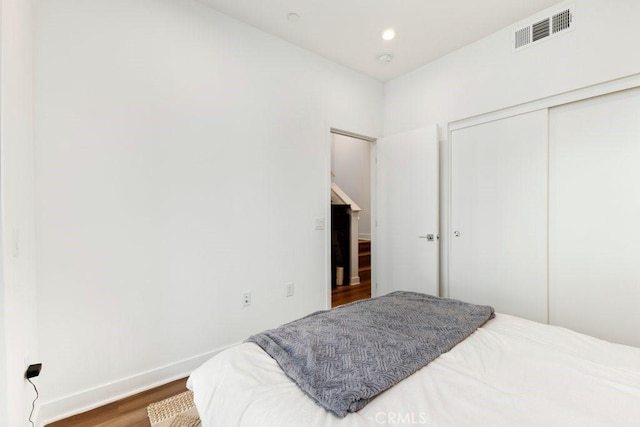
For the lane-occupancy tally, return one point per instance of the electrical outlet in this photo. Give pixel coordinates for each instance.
(289, 289)
(246, 298)
(319, 223)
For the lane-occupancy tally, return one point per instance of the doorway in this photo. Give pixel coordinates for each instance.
(351, 217)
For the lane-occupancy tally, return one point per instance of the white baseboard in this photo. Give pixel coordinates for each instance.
(363, 236)
(87, 400)
(355, 280)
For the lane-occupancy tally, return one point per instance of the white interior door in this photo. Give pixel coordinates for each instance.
(498, 217)
(407, 210)
(594, 214)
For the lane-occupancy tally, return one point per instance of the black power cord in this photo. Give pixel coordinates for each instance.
(33, 405)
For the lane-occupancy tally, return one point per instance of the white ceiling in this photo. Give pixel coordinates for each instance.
(349, 31)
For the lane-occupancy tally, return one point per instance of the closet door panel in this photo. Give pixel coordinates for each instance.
(594, 212)
(498, 240)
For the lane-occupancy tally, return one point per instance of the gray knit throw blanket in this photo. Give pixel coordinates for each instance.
(343, 358)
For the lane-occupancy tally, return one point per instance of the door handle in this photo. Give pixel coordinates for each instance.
(430, 237)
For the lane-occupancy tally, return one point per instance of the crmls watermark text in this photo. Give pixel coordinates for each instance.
(401, 418)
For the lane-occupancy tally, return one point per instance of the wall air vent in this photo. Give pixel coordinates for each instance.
(561, 21)
(541, 29)
(523, 37)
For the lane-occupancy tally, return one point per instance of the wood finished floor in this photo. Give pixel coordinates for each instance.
(346, 294)
(128, 412)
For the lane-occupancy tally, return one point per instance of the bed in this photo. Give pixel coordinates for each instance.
(509, 372)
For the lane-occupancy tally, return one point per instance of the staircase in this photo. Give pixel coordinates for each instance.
(364, 261)
(346, 294)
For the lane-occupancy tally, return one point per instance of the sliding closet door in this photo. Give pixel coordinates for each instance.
(498, 241)
(594, 217)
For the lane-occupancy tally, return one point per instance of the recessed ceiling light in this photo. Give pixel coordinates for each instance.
(293, 17)
(385, 58)
(389, 34)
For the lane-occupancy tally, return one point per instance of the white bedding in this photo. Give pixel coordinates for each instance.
(510, 372)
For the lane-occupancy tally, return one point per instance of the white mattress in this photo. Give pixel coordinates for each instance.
(510, 372)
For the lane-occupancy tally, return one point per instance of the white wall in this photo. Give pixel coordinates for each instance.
(18, 341)
(182, 158)
(4, 395)
(351, 165)
(486, 76)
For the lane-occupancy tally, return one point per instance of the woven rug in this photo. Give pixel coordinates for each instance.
(176, 411)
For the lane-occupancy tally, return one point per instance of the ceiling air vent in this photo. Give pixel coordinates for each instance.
(541, 29)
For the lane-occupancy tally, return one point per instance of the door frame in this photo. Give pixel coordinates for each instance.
(372, 188)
